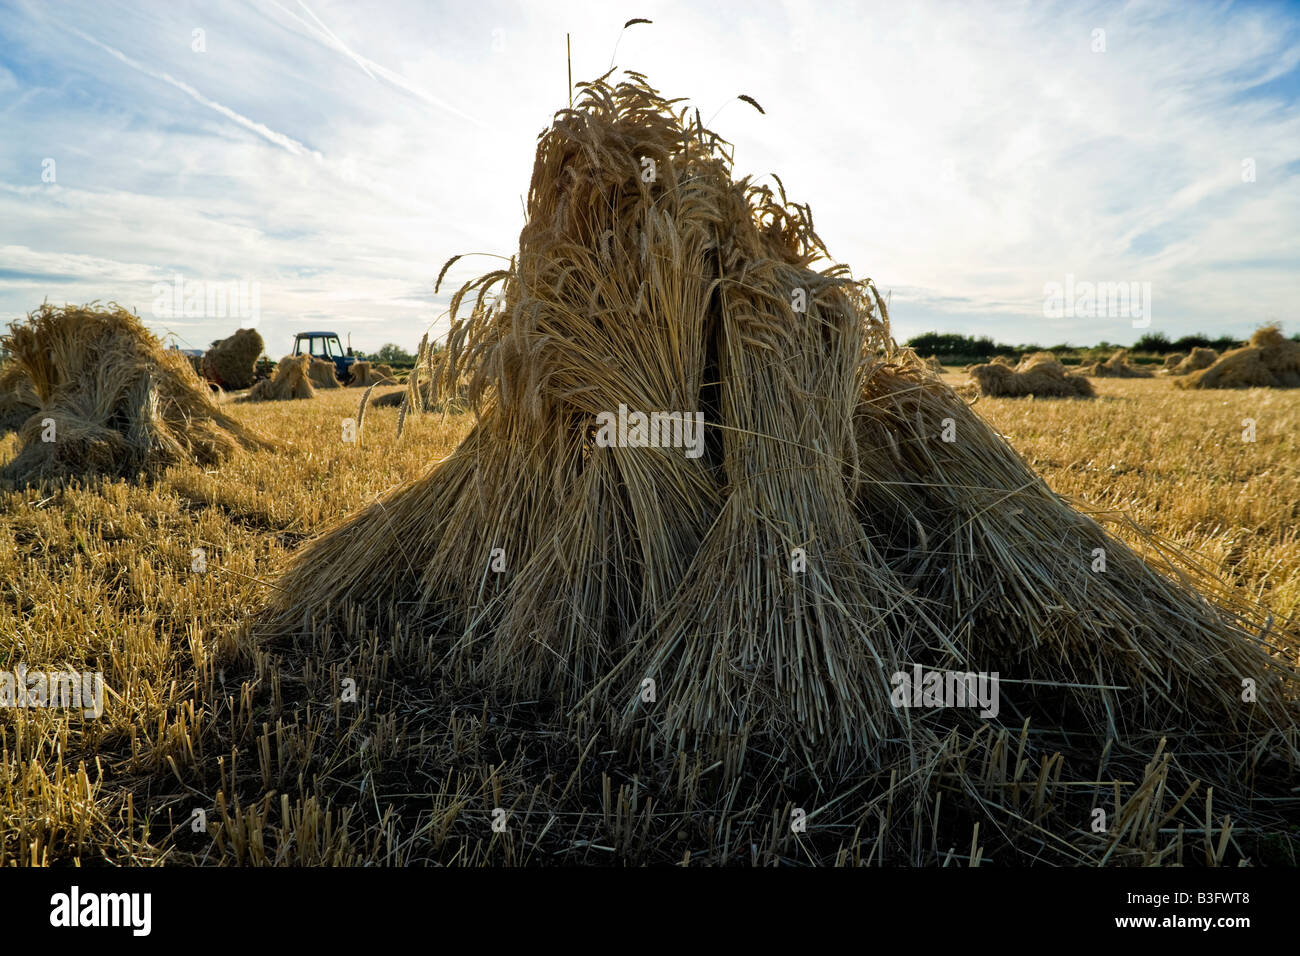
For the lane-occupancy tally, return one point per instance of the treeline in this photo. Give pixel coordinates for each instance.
(953, 347)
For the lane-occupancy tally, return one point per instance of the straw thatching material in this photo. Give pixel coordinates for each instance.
(1268, 361)
(1117, 366)
(364, 374)
(1196, 360)
(290, 380)
(627, 564)
(120, 403)
(1040, 375)
(17, 401)
(231, 363)
(322, 373)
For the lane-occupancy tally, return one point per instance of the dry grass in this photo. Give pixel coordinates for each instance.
(100, 576)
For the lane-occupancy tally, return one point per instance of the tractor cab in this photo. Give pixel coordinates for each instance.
(325, 345)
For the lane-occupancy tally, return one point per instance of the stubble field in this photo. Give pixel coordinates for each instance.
(103, 576)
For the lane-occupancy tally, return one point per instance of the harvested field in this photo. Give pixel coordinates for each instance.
(370, 644)
(169, 639)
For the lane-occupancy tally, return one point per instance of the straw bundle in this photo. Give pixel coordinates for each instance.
(231, 363)
(17, 401)
(934, 365)
(290, 380)
(1172, 361)
(1117, 366)
(1268, 361)
(119, 402)
(1194, 361)
(1040, 375)
(322, 373)
(364, 374)
(822, 442)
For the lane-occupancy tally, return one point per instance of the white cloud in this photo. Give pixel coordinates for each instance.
(961, 155)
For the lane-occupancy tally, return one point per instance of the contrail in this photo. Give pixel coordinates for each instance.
(337, 42)
(396, 79)
(279, 139)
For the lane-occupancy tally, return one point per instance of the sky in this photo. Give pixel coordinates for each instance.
(332, 156)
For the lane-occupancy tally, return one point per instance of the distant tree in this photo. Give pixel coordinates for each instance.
(1188, 342)
(1156, 342)
(950, 343)
(390, 352)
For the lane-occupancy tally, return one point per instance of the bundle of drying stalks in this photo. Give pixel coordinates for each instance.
(1171, 361)
(231, 363)
(1196, 360)
(110, 399)
(934, 365)
(1040, 375)
(1117, 366)
(17, 400)
(322, 373)
(708, 510)
(1267, 361)
(290, 380)
(364, 374)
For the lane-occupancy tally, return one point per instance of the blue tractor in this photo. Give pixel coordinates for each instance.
(326, 345)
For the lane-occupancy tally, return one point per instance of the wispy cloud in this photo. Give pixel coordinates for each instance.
(961, 155)
(261, 129)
